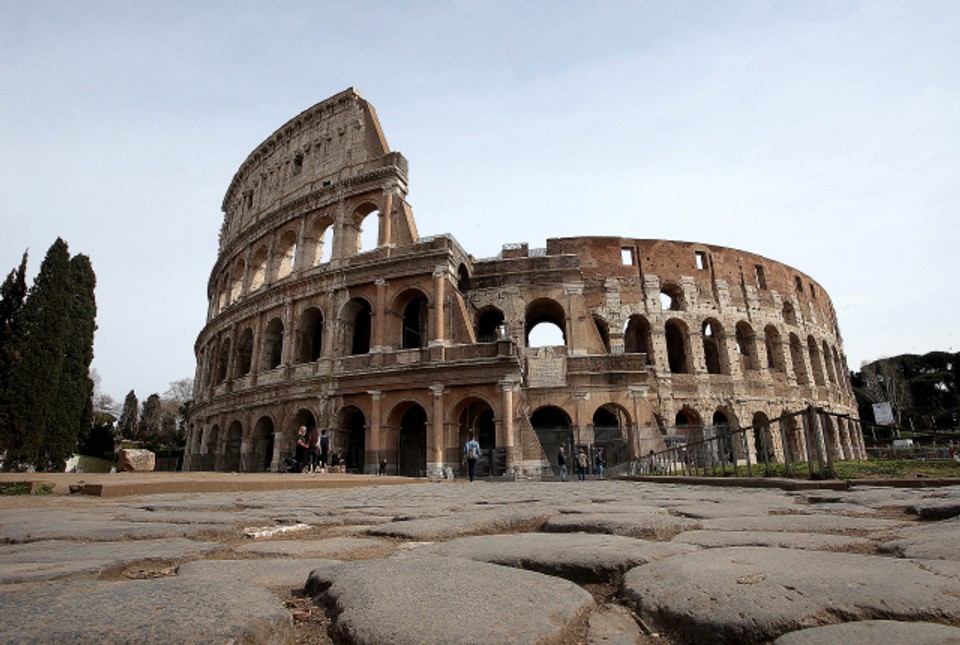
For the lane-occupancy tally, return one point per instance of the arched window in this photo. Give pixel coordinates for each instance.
(789, 314)
(677, 348)
(311, 335)
(414, 323)
(774, 347)
(287, 254)
(713, 346)
(273, 345)
(545, 323)
(816, 363)
(367, 239)
(245, 352)
(259, 269)
(746, 346)
(828, 363)
(637, 337)
(463, 279)
(604, 330)
(488, 324)
(671, 297)
(236, 281)
(223, 361)
(796, 356)
(355, 321)
(318, 243)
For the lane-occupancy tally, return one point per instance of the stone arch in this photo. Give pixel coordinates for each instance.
(678, 346)
(258, 274)
(789, 313)
(489, 322)
(409, 418)
(223, 361)
(671, 297)
(236, 280)
(310, 345)
(714, 346)
(464, 282)
(244, 352)
(773, 343)
(816, 364)
(828, 364)
(688, 425)
(638, 338)
(286, 254)
(302, 417)
(611, 432)
(273, 345)
(261, 449)
(356, 326)
(603, 329)
(553, 428)
(211, 441)
(796, 357)
(412, 308)
(545, 311)
(364, 229)
(352, 428)
(724, 422)
(318, 244)
(475, 419)
(765, 448)
(746, 341)
(793, 443)
(231, 448)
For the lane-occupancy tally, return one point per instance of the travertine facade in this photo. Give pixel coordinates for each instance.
(404, 349)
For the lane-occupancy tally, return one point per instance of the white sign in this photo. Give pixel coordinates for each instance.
(883, 413)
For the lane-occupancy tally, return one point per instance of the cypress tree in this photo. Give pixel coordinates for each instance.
(71, 415)
(151, 419)
(12, 296)
(37, 361)
(127, 426)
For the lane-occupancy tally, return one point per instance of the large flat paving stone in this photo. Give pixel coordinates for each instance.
(647, 526)
(463, 523)
(167, 610)
(267, 572)
(46, 524)
(578, 557)
(755, 594)
(803, 523)
(937, 541)
(874, 632)
(424, 600)
(49, 559)
(781, 539)
(324, 548)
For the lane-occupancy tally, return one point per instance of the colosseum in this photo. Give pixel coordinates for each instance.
(328, 309)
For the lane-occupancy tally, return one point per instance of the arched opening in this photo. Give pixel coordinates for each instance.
(258, 275)
(763, 445)
(675, 332)
(476, 421)
(413, 322)
(463, 279)
(793, 448)
(223, 361)
(789, 314)
(412, 443)
(713, 349)
(367, 239)
(352, 423)
(774, 346)
(287, 254)
(311, 335)
(236, 284)
(816, 363)
(828, 363)
(488, 324)
(553, 428)
(231, 449)
(671, 297)
(545, 322)
(245, 352)
(211, 442)
(722, 428)
(746, 346)
(688, 426)
(637, 338)
(603, 329)
(273, 344)
(320, 244)
(262, 453)
(355, 319)
(610, 424)
(796, 357)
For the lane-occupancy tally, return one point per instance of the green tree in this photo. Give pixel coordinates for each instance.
(129, 418)
(30, 395)
(151, 419)
(13, 293)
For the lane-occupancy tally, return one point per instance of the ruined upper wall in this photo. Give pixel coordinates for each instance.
(334, 141)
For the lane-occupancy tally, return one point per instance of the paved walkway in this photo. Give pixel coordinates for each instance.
(354, 559)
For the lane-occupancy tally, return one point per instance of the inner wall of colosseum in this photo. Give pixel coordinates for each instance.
(328, 310)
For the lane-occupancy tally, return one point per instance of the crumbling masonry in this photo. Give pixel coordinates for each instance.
(405, 349)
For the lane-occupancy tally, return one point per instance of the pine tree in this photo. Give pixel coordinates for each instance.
(36, 364)
(72, 414)
(12, 296)
(128, 425)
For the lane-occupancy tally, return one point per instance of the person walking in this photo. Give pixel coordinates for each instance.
(471, 452)
(324, 450)
(582, 463)
(313, 449)
(599, 461)
(562, 462)
(300, 452)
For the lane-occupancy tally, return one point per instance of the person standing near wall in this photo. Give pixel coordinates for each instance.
(471, 452)
(599, 461)
(300, 452)
(582, 463)
(562, 462)
(313, 449)
(324, 450)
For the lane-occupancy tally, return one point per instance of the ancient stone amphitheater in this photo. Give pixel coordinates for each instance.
(327, 309)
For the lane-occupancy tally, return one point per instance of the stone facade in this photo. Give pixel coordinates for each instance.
(404, 349)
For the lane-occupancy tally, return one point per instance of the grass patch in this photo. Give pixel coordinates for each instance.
(25, 488)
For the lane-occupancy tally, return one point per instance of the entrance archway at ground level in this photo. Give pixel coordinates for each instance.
(764, 447)
(351, 425)
(610, 424)
(412, 443)
(231, 448)
(553, 428)
(476, 421)
(261, 454)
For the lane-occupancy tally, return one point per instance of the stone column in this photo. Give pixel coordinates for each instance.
(439, 281)
(380, 317)
(507, 437)
(276, 466)
(289, 334)
(435, 446)
(385, 234)
(374, 435)
(580, 399)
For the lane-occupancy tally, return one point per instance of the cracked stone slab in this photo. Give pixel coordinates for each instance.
(803, 523)
(446, 600)
(936, 541)
(55, 524)
(781, 539)
(267, 572)
(579, 557)
(326, 548)
(49, 559)
(463, 523)
(755, 594)
(167, 610)
(874, 632)
(648, 526)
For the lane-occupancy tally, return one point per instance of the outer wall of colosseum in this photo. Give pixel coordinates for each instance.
(327, 309)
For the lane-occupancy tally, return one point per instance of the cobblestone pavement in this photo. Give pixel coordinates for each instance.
(529, 562)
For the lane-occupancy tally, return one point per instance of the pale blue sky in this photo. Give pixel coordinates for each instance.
(821, 134)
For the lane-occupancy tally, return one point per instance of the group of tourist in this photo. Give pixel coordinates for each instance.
(582, 462)
(312, 453)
